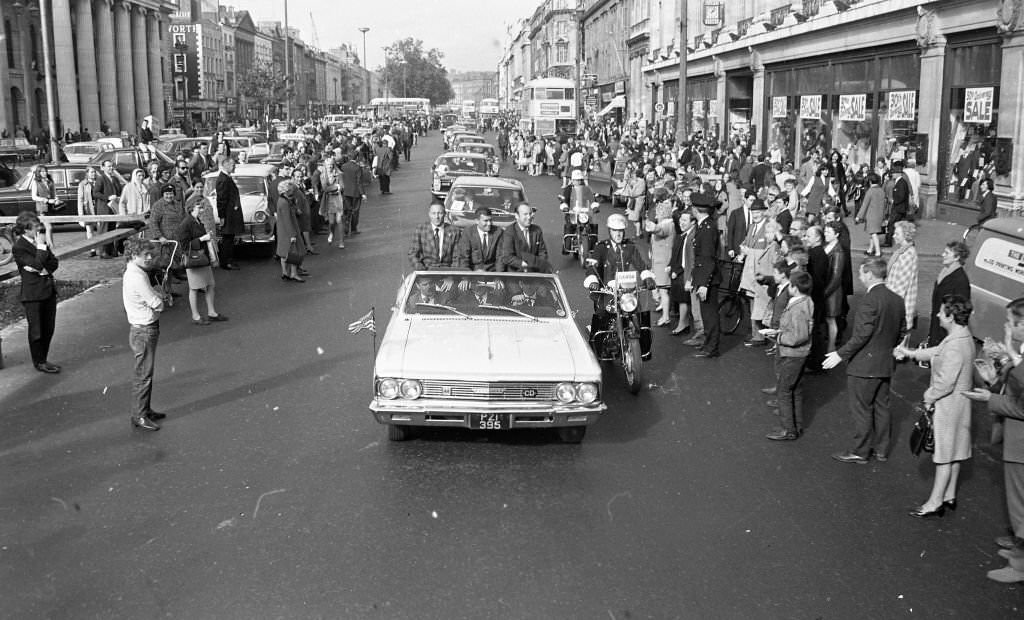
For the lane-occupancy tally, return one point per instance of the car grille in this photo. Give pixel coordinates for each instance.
(485, 390)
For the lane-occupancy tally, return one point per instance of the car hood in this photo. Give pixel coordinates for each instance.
(432, 347)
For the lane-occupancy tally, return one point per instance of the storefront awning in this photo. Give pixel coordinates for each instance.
(619, 101)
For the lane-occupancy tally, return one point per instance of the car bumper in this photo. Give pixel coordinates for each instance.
(423, 412)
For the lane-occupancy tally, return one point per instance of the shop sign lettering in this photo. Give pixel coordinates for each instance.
(779, 105)
(852, 107)
(978, 103)
(1003, 258)
(810, 107)
(902, 105)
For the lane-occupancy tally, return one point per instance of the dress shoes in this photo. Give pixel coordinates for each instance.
(770, 391)
(1010, 542)
(782, 435)
(144, 424)
(156, 415)
(849, 457)
(696, 341)
(950, 504)
(217, 318)
(1007, 574)
(679, 331)
(231, 267)
(755, 342)
(48, 368)
(705, 354)
(920, 513)
(881, 458)
(200, 322)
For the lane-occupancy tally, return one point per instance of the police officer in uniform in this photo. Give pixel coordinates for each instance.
(579, 195)
(706, 277)
(611, 256)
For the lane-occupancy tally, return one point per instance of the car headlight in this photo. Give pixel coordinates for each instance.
(411, 389)
(627, 302)
(437, 183)
(586, 392)
(583, 217)
(260, 216)
(565, 392)
(388, 388)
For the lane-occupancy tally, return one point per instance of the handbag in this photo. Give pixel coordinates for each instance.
(294, 255)
(195, 258)
(922, 436)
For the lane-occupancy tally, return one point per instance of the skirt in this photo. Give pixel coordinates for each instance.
(199, 278)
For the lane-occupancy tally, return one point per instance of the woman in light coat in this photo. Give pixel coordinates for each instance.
(135, 195)
(952, 374)
(85, 202)
(663, 233)
(872, 213)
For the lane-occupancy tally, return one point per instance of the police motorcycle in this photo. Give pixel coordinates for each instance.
(580, 206)
(620, 282)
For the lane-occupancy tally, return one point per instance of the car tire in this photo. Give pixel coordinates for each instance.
(398, 432)
(572, 434)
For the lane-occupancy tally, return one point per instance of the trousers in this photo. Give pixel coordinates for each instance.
(143, 339)
(869, 405)
(42, 320)
(790, 393)
(227, 249)
(352, 205)
(709, 314)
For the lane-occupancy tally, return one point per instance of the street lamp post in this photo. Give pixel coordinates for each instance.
(287, 66)
(366, 66)
(44, 16)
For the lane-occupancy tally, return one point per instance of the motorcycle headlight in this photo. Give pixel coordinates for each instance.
(388, 388)
(411, 389)
(565, 392)
(627, 302)
(259, 217)
(586, 392)
(584, 217)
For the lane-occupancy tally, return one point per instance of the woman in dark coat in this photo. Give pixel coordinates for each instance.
(192, 236)
(952, 280)
(835, 297)
(837, 175)
(289, 234)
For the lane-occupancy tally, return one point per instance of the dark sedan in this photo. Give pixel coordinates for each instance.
(128, 159)
(450, 166)
(66, 177)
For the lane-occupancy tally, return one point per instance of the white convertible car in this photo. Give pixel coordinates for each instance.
(488, 351)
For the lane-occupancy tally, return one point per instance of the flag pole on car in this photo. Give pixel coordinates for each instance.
(365, 322)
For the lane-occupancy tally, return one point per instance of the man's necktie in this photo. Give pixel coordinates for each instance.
(485, 241)
(437, 243)
(526, 233)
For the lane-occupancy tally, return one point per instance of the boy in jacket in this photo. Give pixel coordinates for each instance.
(794, 345)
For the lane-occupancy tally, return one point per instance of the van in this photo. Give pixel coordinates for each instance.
(996, 272)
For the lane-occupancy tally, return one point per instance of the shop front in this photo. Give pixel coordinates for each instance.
(702, 106)
(863, 105)
(969, 151)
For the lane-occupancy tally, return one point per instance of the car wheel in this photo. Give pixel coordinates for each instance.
(397, 432)
(572, 434)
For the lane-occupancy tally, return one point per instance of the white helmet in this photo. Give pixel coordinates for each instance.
(616, 221)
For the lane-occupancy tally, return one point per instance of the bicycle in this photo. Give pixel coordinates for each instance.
(732, 302)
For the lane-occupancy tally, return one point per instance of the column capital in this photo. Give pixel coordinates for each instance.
(107, 4)
(928, 29)
(121, 5)
(1010, 16)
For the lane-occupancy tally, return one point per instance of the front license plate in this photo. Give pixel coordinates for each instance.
(489, 421)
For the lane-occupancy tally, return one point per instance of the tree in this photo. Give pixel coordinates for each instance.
(264, 86)
(409, 71)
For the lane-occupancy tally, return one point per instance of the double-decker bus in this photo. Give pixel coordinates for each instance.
(469, 108)
(488, 107)
(548, 107)
(399, 106)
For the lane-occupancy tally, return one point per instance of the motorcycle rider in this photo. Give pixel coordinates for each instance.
(578, 195)
(615, 254)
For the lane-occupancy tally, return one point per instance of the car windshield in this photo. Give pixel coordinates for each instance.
(463, 164)
(250, 186)
(463, 198)
(490, 295)
(479, 149)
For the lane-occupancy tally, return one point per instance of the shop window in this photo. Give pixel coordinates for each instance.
(971, 147)
(854, 127)
(897, 129)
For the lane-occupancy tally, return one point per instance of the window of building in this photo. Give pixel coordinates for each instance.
(562, 53)
(10, 43)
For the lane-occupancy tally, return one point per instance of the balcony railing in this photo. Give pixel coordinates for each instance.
(811, 7)
(640, 27)
(698, 41)
(743, 26)
(779, 15)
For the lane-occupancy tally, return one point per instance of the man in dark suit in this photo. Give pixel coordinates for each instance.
(878, 327)
(201, 161)
(352, 193)
(705, 271)
(36, 264)
(522, 244)
(737, 224)
(480, 244)
(987, 202)
(105, 192)
(817, 266)
(229, 213)
(900, 200)
(435, 243)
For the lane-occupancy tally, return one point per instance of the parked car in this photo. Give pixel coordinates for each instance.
(8, 176)
(241, 147)
(254, 191)
(128, 159)
(482, 148)
(522, 360)
(184, 145)
(82, 152)
(501, 196)
(448, 167)
(66, 177)
(468, 138)
(17, 149)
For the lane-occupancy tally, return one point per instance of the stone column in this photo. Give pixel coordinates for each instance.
(31, 120)
(156, 81)
(88, 89)
(721, 103)
(64, 60)
(929, 122)
(757, 115)
(140, 62)
(1011, 115)
(125, 93)
(107, 65)
(6, 117)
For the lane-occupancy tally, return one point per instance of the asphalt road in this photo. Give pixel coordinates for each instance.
(272, 493)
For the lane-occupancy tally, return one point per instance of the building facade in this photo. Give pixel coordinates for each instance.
(606, 68)
(554, 42)
(109, 64)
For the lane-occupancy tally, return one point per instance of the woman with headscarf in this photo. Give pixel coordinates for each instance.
(289, 234)
(135, 195)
